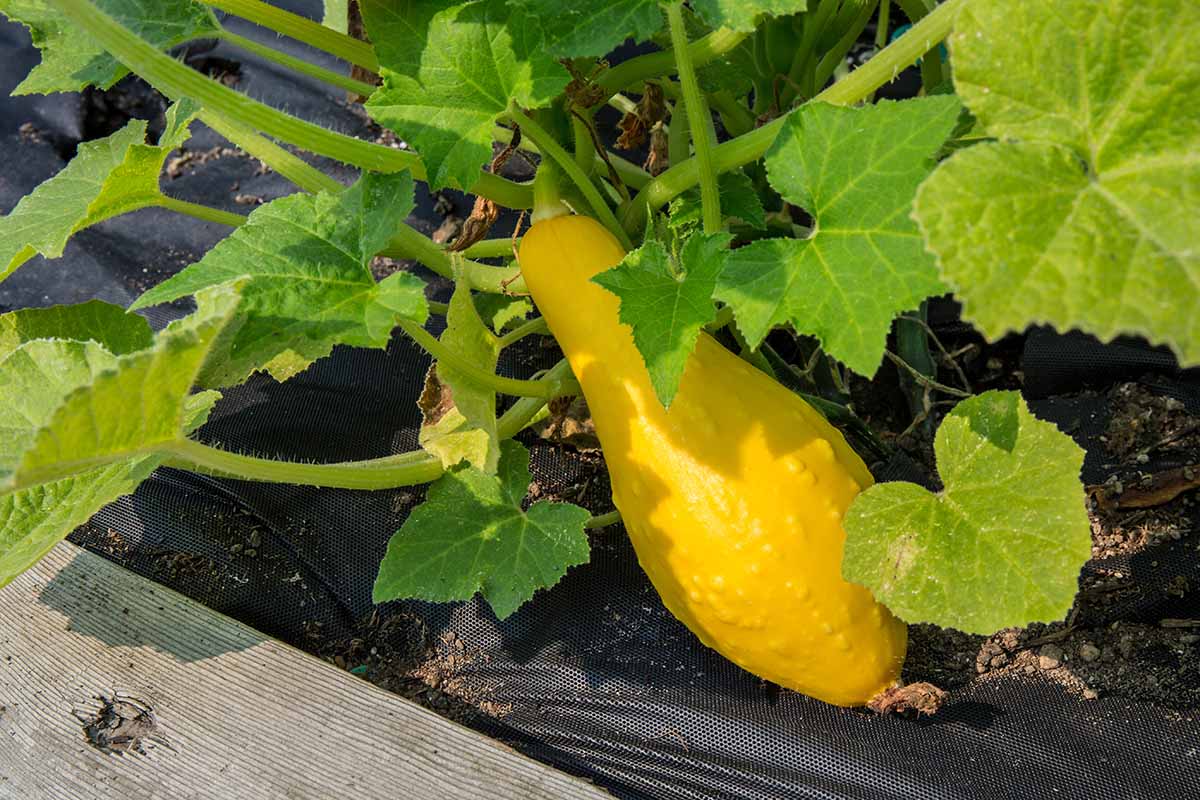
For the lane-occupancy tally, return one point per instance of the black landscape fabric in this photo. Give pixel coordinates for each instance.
(593, 676)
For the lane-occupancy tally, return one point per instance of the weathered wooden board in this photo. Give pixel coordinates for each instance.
(242, 715)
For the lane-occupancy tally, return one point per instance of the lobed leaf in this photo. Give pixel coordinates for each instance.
(72, 60)
(81, 426)
(855, 170)
(303, 263)
(466, 428)
(108, 176)
(743, 15)
(586, 28)
(470, 535)
(667, 305)
(478, 59)
(1086, 211)
(1002, 545)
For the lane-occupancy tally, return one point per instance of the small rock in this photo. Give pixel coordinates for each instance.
(1189, 638)
(1126, 646)
(1090, 694)
(1050, 656)
(255, 539)
(1030, 669)
(1089, 652)
(250, 552)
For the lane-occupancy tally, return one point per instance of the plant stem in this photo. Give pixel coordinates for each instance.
(206, 213)
(408, 469)
(491, 248)
(514, 420)
(678, 135)
(751, 146)
(631, 174)
(289, 165)
(931, 63)
(699, 120)
(837, 54)
(546, 390)
(176, 80)
(554, 150)
(912, 345)
(311, 33)
(654, 65)
(585, 146)
(407, 242)
(526, 329)
(603, 520)
(882, 29)
(298, 64)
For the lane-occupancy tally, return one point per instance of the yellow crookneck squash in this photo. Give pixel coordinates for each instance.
(733, 498)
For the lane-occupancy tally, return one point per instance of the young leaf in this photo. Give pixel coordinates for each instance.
(1085, 213)
(666, 306)
(1001, 546)
(78, 424)
(110, 326)
(741, 15)
(307, 284)
(587, 28)
(399, 31)
(738, 199)
(471, 535)
(107, 177)
(500, 312)
(139, 403)
(465, 429)
(855, 170)
(478, 59)
(71, 59)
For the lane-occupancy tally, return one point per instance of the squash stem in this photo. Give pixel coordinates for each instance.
(699, 120)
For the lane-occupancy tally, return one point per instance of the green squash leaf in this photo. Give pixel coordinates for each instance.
(1086, 212)
(739, 199)
(110, 326)
(465, 429)
(80, 426)
(1002, 545)
(501, 312)
(470, 535)
(71, 59)
(741, 15)
(478, 59)
(582, 28)
(107, 177)
(855, 170)
(304, 260)
(666, 304)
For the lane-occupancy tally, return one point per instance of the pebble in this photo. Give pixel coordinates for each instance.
(1126, 646)
(255, 539)
(1050, 656)
(1090, 694)
(1089, 652)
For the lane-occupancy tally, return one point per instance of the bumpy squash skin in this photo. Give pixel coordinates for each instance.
(733, 498)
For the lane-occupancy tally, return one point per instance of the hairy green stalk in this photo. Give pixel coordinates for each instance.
(197, 211)
(546, 390)
(752, 146)
(552, 149)
(303, 29)
(704, 138)
(654, 65)
(298, 64)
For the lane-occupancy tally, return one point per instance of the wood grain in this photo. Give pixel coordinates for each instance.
(243, 716)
